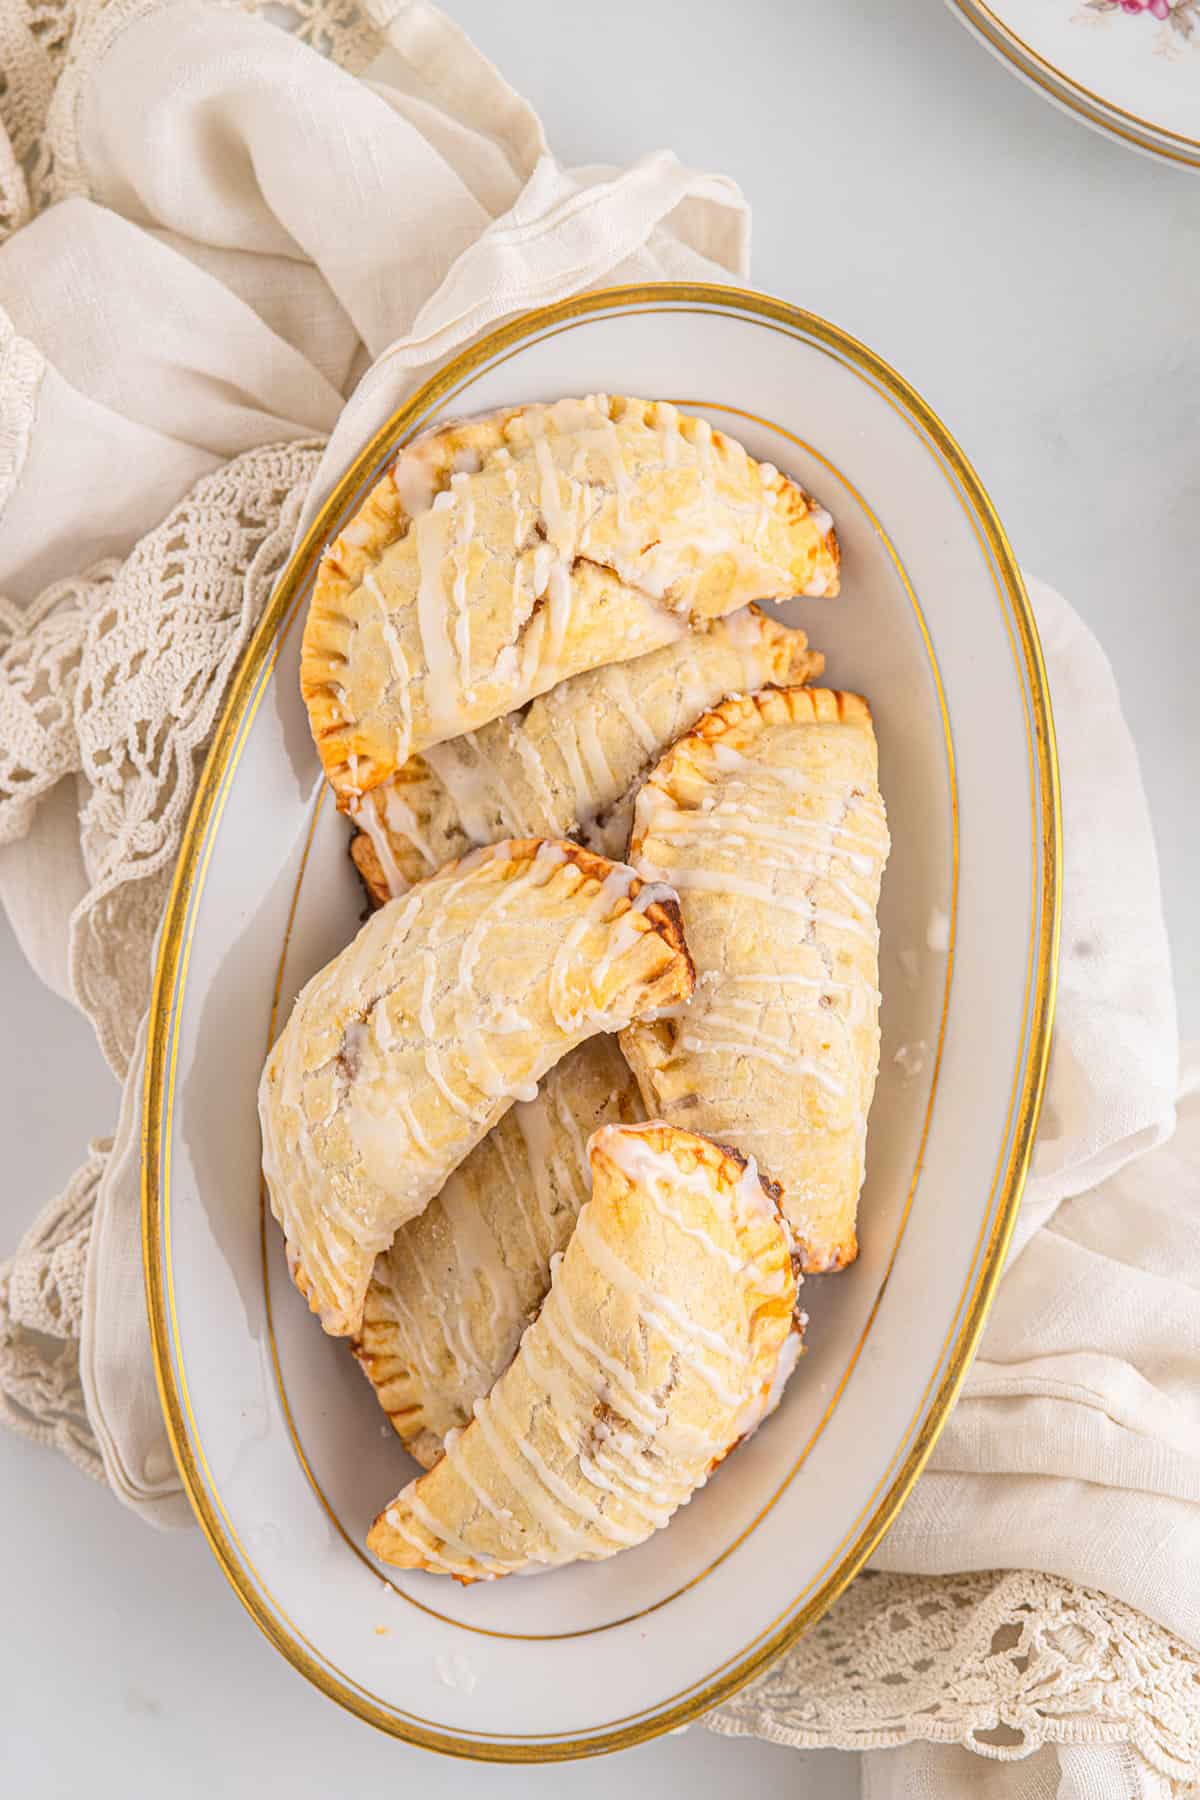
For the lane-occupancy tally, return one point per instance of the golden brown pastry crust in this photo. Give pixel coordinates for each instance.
(570, 764)
(655, 1351)
(449, 1300)
(500, 555)
(768, 818)
(404, 1051)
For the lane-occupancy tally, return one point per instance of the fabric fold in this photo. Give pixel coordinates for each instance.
(165, 369)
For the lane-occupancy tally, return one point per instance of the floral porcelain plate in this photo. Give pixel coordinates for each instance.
(1130, 68)
(279, 1439)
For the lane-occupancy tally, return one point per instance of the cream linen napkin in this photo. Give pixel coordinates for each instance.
(248, 234)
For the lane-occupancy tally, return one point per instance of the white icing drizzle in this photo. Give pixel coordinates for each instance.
(761, 1406)
(433, 1552)
(668, 419)
(573, 1502)
(441, 1534)
(570, 473)
(535, 769)
(622, 698)
(462, 1464)
(593, 1470)
(627, 929)
(433, 1065)
(659, 1193)
(596, 1464)
(558, 519)
(570, 1125)
(461, 772)
(510, 480)
(568, 749)
(425, 1016)
(726, 882)
(531, 653)
(519, 1182)
(760, 1048)
(462, 490)
(401, 821)
(793, 840)
(559, 595)
(630, 1479)
(412, 478)
(687, 1338)
(579, 1350)
(431, 532)
(366, 815)
(399, 1308)
(568, 1539)
(657, 1174)
(402, 675)
(609, 442)
(723, 820)
(601, 775)
(615, 885)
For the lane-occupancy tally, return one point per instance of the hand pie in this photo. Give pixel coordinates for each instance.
(768, 819)
(500, 555)
(448, 1302)
(656, 1350)
(450, 1004)
(572, 762)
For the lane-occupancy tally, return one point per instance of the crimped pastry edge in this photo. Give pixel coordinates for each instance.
(382, 520)
(740, 718)
(778, 639)
(663, 918)
(661, 1135)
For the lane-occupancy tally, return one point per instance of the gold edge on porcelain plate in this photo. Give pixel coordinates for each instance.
(705, 406)
(175, 942)
(1064, 90)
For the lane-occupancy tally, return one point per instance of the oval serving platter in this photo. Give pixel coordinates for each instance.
(282, 1449)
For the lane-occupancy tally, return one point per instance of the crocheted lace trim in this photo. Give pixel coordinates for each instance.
(1001, 1663)
(162, 637)
(40, 650)
(21, 369)
(118, 675)
(41, 1310)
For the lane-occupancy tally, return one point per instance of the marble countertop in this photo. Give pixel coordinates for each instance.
(1038, 284)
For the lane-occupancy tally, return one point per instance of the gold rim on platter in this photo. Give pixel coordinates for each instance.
(1092, 108)
(174, 949)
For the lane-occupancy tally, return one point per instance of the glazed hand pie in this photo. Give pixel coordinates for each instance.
(500, 555)
(768, 819)
(448, 1302)
(657, 1348)
(572, 762)
(450, 1004)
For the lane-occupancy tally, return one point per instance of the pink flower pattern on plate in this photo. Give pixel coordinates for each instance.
(1180, 16)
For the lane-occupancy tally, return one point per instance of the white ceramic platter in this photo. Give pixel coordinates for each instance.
(1130, 68)
(281, 1445)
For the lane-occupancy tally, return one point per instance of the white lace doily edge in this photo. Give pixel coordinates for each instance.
(22, 367)
(965, 1733)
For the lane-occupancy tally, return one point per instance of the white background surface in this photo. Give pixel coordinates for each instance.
(1038, 284)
